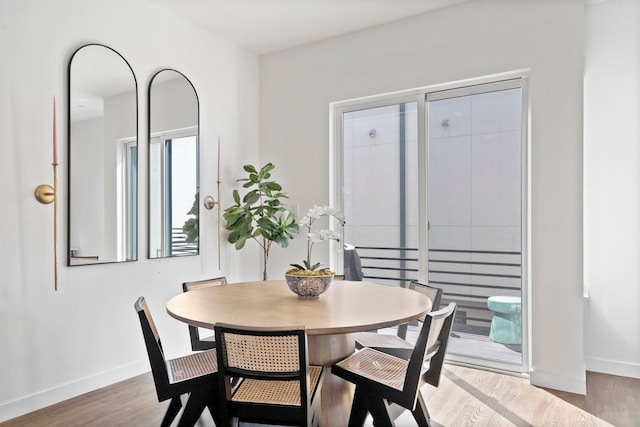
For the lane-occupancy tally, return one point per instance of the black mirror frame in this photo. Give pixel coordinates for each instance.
(149, 137)
(69, 172)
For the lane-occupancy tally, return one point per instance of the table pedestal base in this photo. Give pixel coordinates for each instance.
(337, 394)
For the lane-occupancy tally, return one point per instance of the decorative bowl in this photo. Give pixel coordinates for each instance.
(308, 287)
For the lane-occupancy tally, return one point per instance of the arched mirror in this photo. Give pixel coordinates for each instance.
(173, 166)
(103, 157)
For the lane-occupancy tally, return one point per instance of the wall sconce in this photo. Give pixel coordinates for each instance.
(372, 133)
(209, 202)
(46, 194)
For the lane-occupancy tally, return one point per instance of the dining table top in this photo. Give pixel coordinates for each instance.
(346, 307)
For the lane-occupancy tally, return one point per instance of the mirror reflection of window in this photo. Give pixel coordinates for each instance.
(103, 128)
(130, 190)
(174, 194)
(173, 166)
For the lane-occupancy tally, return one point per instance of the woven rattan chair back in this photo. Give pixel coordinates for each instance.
(198, 343)
(199, 284)
(431, 346)
(434, 294)
(431, 292)
(275, 383)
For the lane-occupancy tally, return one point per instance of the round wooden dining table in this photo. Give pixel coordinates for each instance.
(330, 320)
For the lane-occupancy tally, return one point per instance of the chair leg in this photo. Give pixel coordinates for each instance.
(193, 409)
(215, 410)
(380, 412)
(172, 411)
(420, 413)
(358, 409)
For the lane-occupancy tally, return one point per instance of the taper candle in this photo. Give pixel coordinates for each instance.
(218, 160)
(55, 134)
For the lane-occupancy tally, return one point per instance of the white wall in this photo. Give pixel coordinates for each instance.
(473, 39)
(612, 179)
(54, 345)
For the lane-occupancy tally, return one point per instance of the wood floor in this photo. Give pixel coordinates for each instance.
(466, 397)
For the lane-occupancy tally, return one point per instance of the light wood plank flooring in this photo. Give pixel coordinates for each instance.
(466, 397)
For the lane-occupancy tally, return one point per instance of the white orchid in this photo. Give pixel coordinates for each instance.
(305, 221)
(314, 237)
(324, 235)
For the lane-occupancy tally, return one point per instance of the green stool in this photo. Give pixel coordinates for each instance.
(506, 324)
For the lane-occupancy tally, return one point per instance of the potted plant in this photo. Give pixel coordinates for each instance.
(259, 214)
(309, 279)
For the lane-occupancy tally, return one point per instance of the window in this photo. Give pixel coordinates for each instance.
(173, 194)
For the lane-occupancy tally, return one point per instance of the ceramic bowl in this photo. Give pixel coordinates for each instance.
(308, 287)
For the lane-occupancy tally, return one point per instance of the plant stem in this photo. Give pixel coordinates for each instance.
(267, 248)
(309, 245)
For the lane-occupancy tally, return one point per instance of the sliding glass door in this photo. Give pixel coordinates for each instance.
(380, 189)
(475, 200)
(433, 187)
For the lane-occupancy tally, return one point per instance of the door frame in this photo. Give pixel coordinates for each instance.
(419, 95)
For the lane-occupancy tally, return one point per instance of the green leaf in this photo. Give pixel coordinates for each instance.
(281, 240)
(234, 236)
(240, 244)
(251, 197)
(271, 185)
(267, 224)
(236, 197)
(250, 169)
(264, 172)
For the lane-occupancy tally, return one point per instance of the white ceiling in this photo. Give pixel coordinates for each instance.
(265, 26)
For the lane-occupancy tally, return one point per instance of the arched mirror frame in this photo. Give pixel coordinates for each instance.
(131, 246)
(172, 244)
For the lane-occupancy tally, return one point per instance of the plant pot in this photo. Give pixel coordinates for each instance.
(308, 287)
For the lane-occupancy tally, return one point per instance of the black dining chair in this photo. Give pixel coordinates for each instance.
(397, 344)
(387, 385)
(198, 343)
(195, 375)
(273, 382)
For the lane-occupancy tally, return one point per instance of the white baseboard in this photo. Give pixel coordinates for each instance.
(613, 367)
(33, 402)
(558, 381)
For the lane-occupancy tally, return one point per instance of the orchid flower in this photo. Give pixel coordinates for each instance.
(314, 237)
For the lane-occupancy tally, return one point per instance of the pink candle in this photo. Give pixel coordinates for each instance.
(218, 158)
(55, 134)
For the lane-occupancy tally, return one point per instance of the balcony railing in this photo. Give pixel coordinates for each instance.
(179, 244)
(467, 277)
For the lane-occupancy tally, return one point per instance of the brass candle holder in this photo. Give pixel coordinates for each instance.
(46, 195)
(209, 203)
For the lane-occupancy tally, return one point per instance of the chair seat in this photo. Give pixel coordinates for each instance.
(275, 392)
(377, 366)
(376, 340)
(192, 366)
